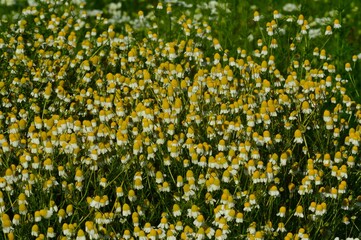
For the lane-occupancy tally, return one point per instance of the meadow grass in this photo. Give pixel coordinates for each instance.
(180, 120)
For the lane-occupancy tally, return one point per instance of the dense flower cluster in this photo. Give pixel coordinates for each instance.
(118, 132)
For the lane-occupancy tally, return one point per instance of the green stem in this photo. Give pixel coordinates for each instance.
(260, 29)
(354, 84)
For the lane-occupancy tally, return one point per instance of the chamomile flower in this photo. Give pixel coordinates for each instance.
(328, 30)
(336, 24)
(298, 136)
(256, 16)
(348, 67)
(299, 211)
(274, 191)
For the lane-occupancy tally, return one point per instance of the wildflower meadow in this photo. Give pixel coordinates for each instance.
(180, 119)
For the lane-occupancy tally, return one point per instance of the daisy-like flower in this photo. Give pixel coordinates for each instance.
(131, 195)
(239, 217)
(213, 183)
(312, 206)
(216, 44)
(201, 233)
(300, 19)
(16, 219)
(226, 176)
(299, 211)
(165, 187)
(46, 213)
(354, 58)
(103, 182)
(264, 52)
(95, 202)
(282, 212)
(328, 30)
(348, 67)
(342, 187)
(256, 16)
(188, 192)
(179, 181)
(251, 166)
(336, 24)
(281, 227)
(163, 223)
(176, 210)
(69, 210)
(253, 200)
(306, 107)
(273, 191)
(323, 54)
(159, 177)
(259, 235)
(320, 210)
(6, 224)
(247, 207)
(35, 230)
(169, 9)
(138, 184)
(298, 137)
(326, 160)
(199, 221)
(126, 210)
(80, 235)
(259, 42)
(346, 220)
(179, 226)
(219, 235)
(305, 236)
(222, 145)
(326, 116)
(270, 31)
(276, 14)
(159, 6)
(147, 227)
(79, 175)
(90, 228)
(22, 199)
(351, 161)
(141, 15)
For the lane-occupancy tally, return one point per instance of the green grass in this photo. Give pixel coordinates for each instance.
(88, 109)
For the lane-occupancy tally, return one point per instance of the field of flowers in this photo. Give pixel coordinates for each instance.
(180, 120)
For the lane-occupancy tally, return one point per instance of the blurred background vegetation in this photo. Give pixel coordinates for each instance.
(233, 24)
(240, 16)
